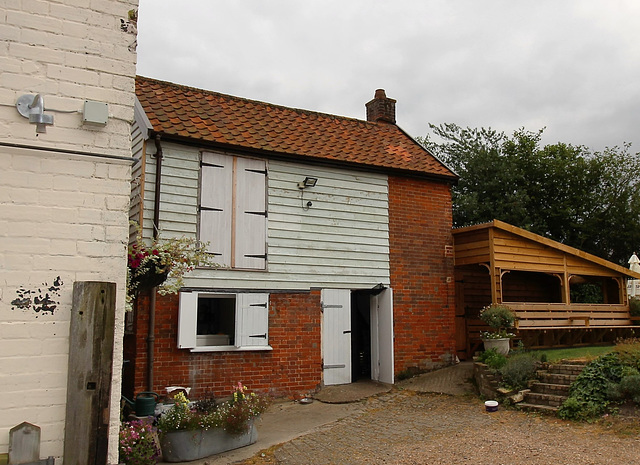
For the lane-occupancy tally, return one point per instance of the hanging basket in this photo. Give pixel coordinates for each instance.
(150, 279)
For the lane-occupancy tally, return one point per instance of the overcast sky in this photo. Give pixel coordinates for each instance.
(572, 66)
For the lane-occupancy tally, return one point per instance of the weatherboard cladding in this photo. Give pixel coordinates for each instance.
(341, 241)
(214, 118)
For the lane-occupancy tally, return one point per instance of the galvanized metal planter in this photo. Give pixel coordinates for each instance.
(185, 446)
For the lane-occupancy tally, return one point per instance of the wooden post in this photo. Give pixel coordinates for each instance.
(496, 287)
(90, 369)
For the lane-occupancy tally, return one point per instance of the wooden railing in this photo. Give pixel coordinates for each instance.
(566, 316)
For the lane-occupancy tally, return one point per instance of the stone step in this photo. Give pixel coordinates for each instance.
(538, 408)
(549, 388)
(574, 362)
(565, 369)
(556, 378)
(544, 399)
(552, 389)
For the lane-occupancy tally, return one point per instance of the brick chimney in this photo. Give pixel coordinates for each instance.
(381, 108)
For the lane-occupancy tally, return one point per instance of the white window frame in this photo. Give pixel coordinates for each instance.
(251, 324)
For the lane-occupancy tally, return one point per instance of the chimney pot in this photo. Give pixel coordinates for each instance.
(381, 108)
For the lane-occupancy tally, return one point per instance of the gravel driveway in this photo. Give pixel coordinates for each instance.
(405, 427)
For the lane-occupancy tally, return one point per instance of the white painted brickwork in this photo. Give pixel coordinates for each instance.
(73, 226)
(68, 51)
(61, 215)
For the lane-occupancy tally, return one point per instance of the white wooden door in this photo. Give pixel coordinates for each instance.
(382, 357)
(336, 336)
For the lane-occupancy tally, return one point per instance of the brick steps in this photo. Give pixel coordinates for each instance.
(552, 389)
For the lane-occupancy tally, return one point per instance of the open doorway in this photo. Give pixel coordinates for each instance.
(360, 336)
(357, 335)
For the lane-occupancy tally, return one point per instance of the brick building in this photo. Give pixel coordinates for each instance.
(333, 237)
(66, 105)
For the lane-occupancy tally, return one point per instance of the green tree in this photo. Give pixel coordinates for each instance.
(587, 200)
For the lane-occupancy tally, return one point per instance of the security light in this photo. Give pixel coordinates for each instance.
(308, 182)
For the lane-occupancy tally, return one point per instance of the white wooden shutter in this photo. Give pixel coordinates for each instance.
(216, 190)
(252, 320)
(250, 214)
(187, 320)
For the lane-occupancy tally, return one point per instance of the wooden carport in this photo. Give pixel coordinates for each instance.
(499, 263)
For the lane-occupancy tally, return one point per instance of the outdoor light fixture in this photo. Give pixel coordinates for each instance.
(308, 182)
(302, 185)
(32, 107)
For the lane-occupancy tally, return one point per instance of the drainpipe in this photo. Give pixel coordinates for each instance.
(156, 229)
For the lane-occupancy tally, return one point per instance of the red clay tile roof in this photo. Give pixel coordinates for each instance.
(222, 119)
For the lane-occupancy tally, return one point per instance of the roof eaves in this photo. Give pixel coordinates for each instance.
(204, 144)
(455, 175)
(564, 248)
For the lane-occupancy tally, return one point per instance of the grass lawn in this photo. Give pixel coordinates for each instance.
(553, 355)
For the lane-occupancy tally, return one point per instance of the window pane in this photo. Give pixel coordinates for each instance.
(216, 321)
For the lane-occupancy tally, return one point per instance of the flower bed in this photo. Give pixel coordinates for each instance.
(138, 443)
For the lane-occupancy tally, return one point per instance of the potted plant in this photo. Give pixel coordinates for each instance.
(500, 318)
(162, 262)
(191, 431)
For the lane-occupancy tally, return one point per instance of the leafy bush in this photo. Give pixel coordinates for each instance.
(492, 359)
(634, 306)
(628, 351)
(586, 293)
(575, 409)
(589, 395)
(518, 370)
(630, 388)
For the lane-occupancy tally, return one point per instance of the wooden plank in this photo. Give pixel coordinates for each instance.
(565, 322)
(590, 328)
(90, 371)
(465, 246)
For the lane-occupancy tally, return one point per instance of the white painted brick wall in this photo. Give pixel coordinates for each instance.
(74, 227)
(60, 215)
(70, 49)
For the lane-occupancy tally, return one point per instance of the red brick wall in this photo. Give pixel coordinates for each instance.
(424, 302)
(293, 368)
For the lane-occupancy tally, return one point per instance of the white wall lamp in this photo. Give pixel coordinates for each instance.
(32, 107)
(302, 185)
